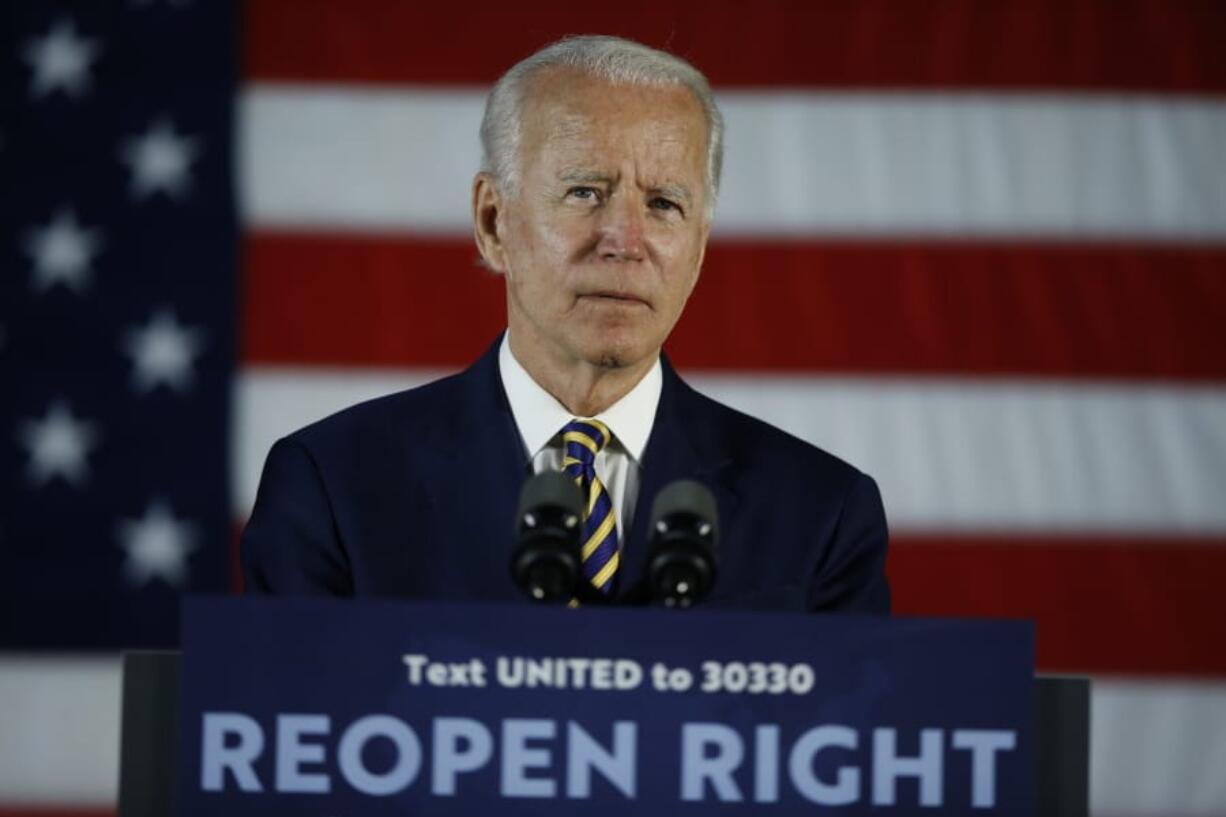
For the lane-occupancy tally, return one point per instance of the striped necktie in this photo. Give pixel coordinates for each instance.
(583, 440)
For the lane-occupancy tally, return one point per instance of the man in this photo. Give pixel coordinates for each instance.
(602, 161)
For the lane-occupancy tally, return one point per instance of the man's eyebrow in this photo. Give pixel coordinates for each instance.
(674, 191)
(578, 175)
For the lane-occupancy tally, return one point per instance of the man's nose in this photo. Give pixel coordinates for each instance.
(622, 230)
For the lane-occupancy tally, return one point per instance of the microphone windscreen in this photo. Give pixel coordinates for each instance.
(549, 489)
(686, 496)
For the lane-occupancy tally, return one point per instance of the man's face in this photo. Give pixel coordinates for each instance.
(602, 243)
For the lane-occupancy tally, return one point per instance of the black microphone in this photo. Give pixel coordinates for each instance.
(681, 559)
(546, 561)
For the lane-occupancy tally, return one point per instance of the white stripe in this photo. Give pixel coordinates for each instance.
(358, 158)
(59, 729)
(1157, 747)
(402, 159)
(950, 456)
(1016, 456)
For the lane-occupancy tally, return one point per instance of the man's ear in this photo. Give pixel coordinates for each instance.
(487, 212)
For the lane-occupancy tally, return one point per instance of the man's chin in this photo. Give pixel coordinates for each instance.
(618, 348)
(614, 355)
(610, 360)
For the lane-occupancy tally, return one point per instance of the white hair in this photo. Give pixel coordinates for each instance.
(613, 59)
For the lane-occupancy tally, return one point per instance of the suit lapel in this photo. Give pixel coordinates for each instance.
(679, 448)
(493, 466)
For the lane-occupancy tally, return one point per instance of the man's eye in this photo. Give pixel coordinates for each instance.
(661, 203)
(584, 193)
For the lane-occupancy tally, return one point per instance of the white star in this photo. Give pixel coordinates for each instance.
(157, 546)
(58, 445)
(160, 160)
(62, 252)
(162, 352)
(60, 61)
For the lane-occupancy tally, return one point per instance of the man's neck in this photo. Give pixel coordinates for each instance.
(583, 388)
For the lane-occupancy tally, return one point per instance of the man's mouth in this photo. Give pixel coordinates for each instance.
(613, 297)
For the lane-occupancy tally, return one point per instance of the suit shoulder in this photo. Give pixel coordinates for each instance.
(420, 411)
(749, 440)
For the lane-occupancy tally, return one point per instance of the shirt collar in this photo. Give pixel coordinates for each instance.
(539, 416)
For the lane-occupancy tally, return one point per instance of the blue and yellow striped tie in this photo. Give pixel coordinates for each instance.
(583, 440)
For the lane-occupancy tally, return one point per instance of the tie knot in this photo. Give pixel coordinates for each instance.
(584, 439)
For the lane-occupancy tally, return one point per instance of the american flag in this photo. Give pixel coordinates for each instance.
(977, 249)
(117, 357)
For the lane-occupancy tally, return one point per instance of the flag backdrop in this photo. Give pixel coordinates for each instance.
(977, 249)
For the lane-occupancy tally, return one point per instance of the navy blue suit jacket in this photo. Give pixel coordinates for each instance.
(413, 495)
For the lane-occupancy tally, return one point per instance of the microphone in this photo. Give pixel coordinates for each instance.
(546, 561)
(681, 559)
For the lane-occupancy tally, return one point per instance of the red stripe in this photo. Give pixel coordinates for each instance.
(1142, 606)
(1075, 310)
(1170, 45)
(379, 302)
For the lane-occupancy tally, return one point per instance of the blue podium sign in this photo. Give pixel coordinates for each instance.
(321, 707)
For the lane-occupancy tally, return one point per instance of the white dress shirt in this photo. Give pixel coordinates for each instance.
(540, 419)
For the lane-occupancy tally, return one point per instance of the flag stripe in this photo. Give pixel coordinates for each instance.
(1143, 44)
(60, 735)
(1100, 604)
(1078, 461)
(301, 290)
(1081, 457)
(1156, 748)
(798, 164)
(953, 308)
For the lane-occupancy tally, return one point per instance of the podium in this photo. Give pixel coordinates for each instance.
(417, 708)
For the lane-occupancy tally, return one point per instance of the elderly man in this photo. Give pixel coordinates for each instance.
(602, 161)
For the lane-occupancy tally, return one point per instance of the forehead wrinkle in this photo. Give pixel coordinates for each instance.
(564, 127)
(571, 139)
